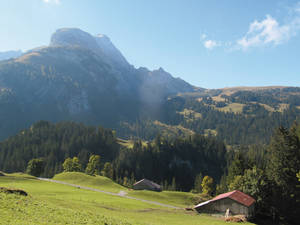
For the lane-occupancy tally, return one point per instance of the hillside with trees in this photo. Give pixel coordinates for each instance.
(237, 116)
(201, 164)
(68, 146)
(269, 173)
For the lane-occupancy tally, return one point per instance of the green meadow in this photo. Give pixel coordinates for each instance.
(52, 203)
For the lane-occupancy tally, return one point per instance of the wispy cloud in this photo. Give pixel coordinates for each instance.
(269, 32)
(264, 33)
(52, 1)
(210, 44)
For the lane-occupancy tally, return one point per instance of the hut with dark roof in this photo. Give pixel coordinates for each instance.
(145, 184)
(237, 202)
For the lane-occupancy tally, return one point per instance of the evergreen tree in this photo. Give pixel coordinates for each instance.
(198, 182)
(284, 163)
(222, 186)
(173, 185)
(237, 167)
(126, 182)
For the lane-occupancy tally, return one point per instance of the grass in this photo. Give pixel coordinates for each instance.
(218, 98)
(175, 198)
(283, 106)
(212, 132)
(100, 182)
(180, 199)
(280, 108)
(52, 203)
(125, 143)
(129, 143)
(232, 107)
(190, 115)
(169, 130)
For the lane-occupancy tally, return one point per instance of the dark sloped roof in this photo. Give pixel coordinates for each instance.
(148, 183)
(236, 195)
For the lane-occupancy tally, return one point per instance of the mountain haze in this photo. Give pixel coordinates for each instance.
(10, 54)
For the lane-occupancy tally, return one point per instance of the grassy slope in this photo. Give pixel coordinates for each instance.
(180, 199)
(51, 203)
(102, 183)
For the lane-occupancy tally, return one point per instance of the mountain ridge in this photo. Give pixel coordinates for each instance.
(79, 77)
(84, 78)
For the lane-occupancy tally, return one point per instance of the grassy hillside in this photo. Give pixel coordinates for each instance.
(51, 203)
(180, 199)
(99, 182)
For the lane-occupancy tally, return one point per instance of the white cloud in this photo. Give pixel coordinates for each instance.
(210, 44)
(52, 1)
(268, 31)
(203, 36)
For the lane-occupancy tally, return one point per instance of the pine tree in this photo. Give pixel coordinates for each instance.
(198, 182)
(173, 185)
(282, 167)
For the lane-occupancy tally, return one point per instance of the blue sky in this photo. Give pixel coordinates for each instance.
(210, 43)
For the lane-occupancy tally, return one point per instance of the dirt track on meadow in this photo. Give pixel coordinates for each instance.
(121, 194)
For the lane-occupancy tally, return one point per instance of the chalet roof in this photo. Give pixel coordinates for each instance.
(236, 195)
(148, 183)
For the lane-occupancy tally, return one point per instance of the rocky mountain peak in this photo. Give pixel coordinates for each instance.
(99, 44)
(73, 37)
(110, 51)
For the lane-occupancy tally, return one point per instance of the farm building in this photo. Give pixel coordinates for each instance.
(237, 202)
(145, 184)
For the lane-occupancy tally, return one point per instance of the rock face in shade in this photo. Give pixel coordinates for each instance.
(79, 77)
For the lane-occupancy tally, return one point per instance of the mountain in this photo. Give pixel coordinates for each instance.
(79, 77)
(10, 54)
(85, 78)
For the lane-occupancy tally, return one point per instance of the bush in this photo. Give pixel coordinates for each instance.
(35, 167)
